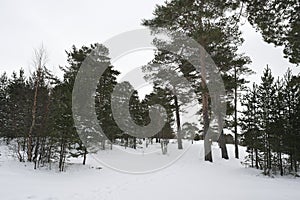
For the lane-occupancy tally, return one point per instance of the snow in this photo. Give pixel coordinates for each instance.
(186, 179)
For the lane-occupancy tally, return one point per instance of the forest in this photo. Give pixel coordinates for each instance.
(36, 117)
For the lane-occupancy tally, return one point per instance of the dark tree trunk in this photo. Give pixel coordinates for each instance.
(179, 139)
(207, 151)
(235, 116)
(134, 142)
(42, 158)
(36, 152)
(49, 153)
(291, 161)
(84, 156)
(280, 164)
(103, 144)
(222, 144)
(269, 158)
(207, 137)
(126, 142)
(62, 155)
(256, 159)
(252, 157)
(295, 159)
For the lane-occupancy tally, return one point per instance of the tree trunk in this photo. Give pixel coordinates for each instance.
(84, 156)
(222, 144)
(134, 142)
(269, 156)
(235, 116)
(221, 140)
(49, 153)
(29, 141)
(265, 156)
(34, 107)
(280, 164)
(205, 96)
(42, 153)
(36, 152)
(178, 123)
(112, 140)
(252, 157)
(61, 155)
(126, 142)
(256, 159)
(295, 160)
(291, 161)
(103, 144)
(18, 152)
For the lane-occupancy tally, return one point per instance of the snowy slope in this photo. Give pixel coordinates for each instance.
(187, 179)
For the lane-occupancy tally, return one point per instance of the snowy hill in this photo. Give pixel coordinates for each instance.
(187, 179)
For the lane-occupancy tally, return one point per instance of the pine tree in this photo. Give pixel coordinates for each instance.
(102, 100)
(291, 99)
(3, 106)
(19, 106)
(208, 23)
(250, 125)
(266, 93)
(189, 130)
(103, 103)
(163, 97)
(278, 21)
(277, 126)
(269, 123)
(166, 77)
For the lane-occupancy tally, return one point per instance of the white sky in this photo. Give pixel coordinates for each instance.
(25, 25)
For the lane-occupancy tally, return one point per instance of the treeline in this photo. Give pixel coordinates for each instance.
(36, 111)
(36, 116)
(271, 123)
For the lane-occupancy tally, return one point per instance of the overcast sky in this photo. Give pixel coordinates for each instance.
(25, 25)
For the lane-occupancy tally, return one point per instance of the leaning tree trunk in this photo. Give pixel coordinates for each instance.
(36, 152)
(205, 96)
